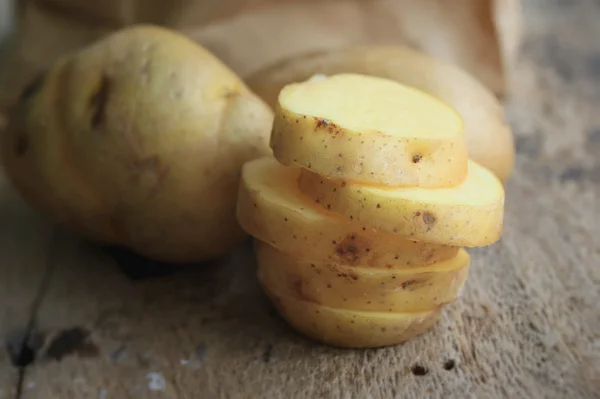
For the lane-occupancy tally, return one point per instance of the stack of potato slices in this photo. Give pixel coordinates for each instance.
(360, 216)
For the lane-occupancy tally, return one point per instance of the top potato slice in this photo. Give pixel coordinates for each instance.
(489, 138)
(367, 129)
(470, 214)
(271, 208)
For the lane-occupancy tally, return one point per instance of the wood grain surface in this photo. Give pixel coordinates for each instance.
(23, 267)
(527, 326)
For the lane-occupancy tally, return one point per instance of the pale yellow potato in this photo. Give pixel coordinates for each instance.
(360, 288)
(272, 208)
(470, 214)
(351, 328)
(369, 130)
(138, 141)
(489, 139)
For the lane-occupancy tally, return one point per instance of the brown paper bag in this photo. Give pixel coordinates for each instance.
(481, 36)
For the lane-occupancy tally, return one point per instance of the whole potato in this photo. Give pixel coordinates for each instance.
(138, 140)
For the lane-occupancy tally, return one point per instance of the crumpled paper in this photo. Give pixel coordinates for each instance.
(480, 36)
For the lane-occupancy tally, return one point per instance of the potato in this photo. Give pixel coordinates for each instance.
(470, 214)
(138, 141)
(357, 288)
(489, 138)
(351, 328)
(272, 209)
(369, 130)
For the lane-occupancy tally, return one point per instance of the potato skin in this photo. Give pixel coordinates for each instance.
(374, 158)
(470, 214)
(489, 139)
(357, 288)
(351, 328)
(271, 208)
(138, 141)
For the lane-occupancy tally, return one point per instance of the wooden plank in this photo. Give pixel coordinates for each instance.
(10, 336)
(527, 326)
(23, 244)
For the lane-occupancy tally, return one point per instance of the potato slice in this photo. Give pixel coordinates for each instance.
(351, 328)
(470, 214)
(489, 139)
(369, 130)
(358, 288)
(271, 208)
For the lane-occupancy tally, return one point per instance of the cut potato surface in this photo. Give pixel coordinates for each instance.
(357, 288)
(489, 139)
(369, 130)
(351, 328)
(272, 208)
(470, 214)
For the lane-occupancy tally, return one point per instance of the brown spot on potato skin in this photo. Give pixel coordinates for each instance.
(429, 255)
(416, 158)
(98, 101)
(321, 122)
(350, 248)
(429, 219)
(412, 285)
(347, 251)
(331, 127)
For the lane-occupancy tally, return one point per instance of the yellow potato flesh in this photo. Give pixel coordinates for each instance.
(469, 214)
(351, 328)
(489, 138)
(369, 130)
(369, 104)
(358, 288)
(271, 208)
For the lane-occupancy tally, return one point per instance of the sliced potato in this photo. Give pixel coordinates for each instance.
(470, 214)
(369, 130)
(489, 139)
(351, 328)
(358, 288)
(271, 208)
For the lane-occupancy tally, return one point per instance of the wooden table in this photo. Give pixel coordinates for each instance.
(80, 325)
